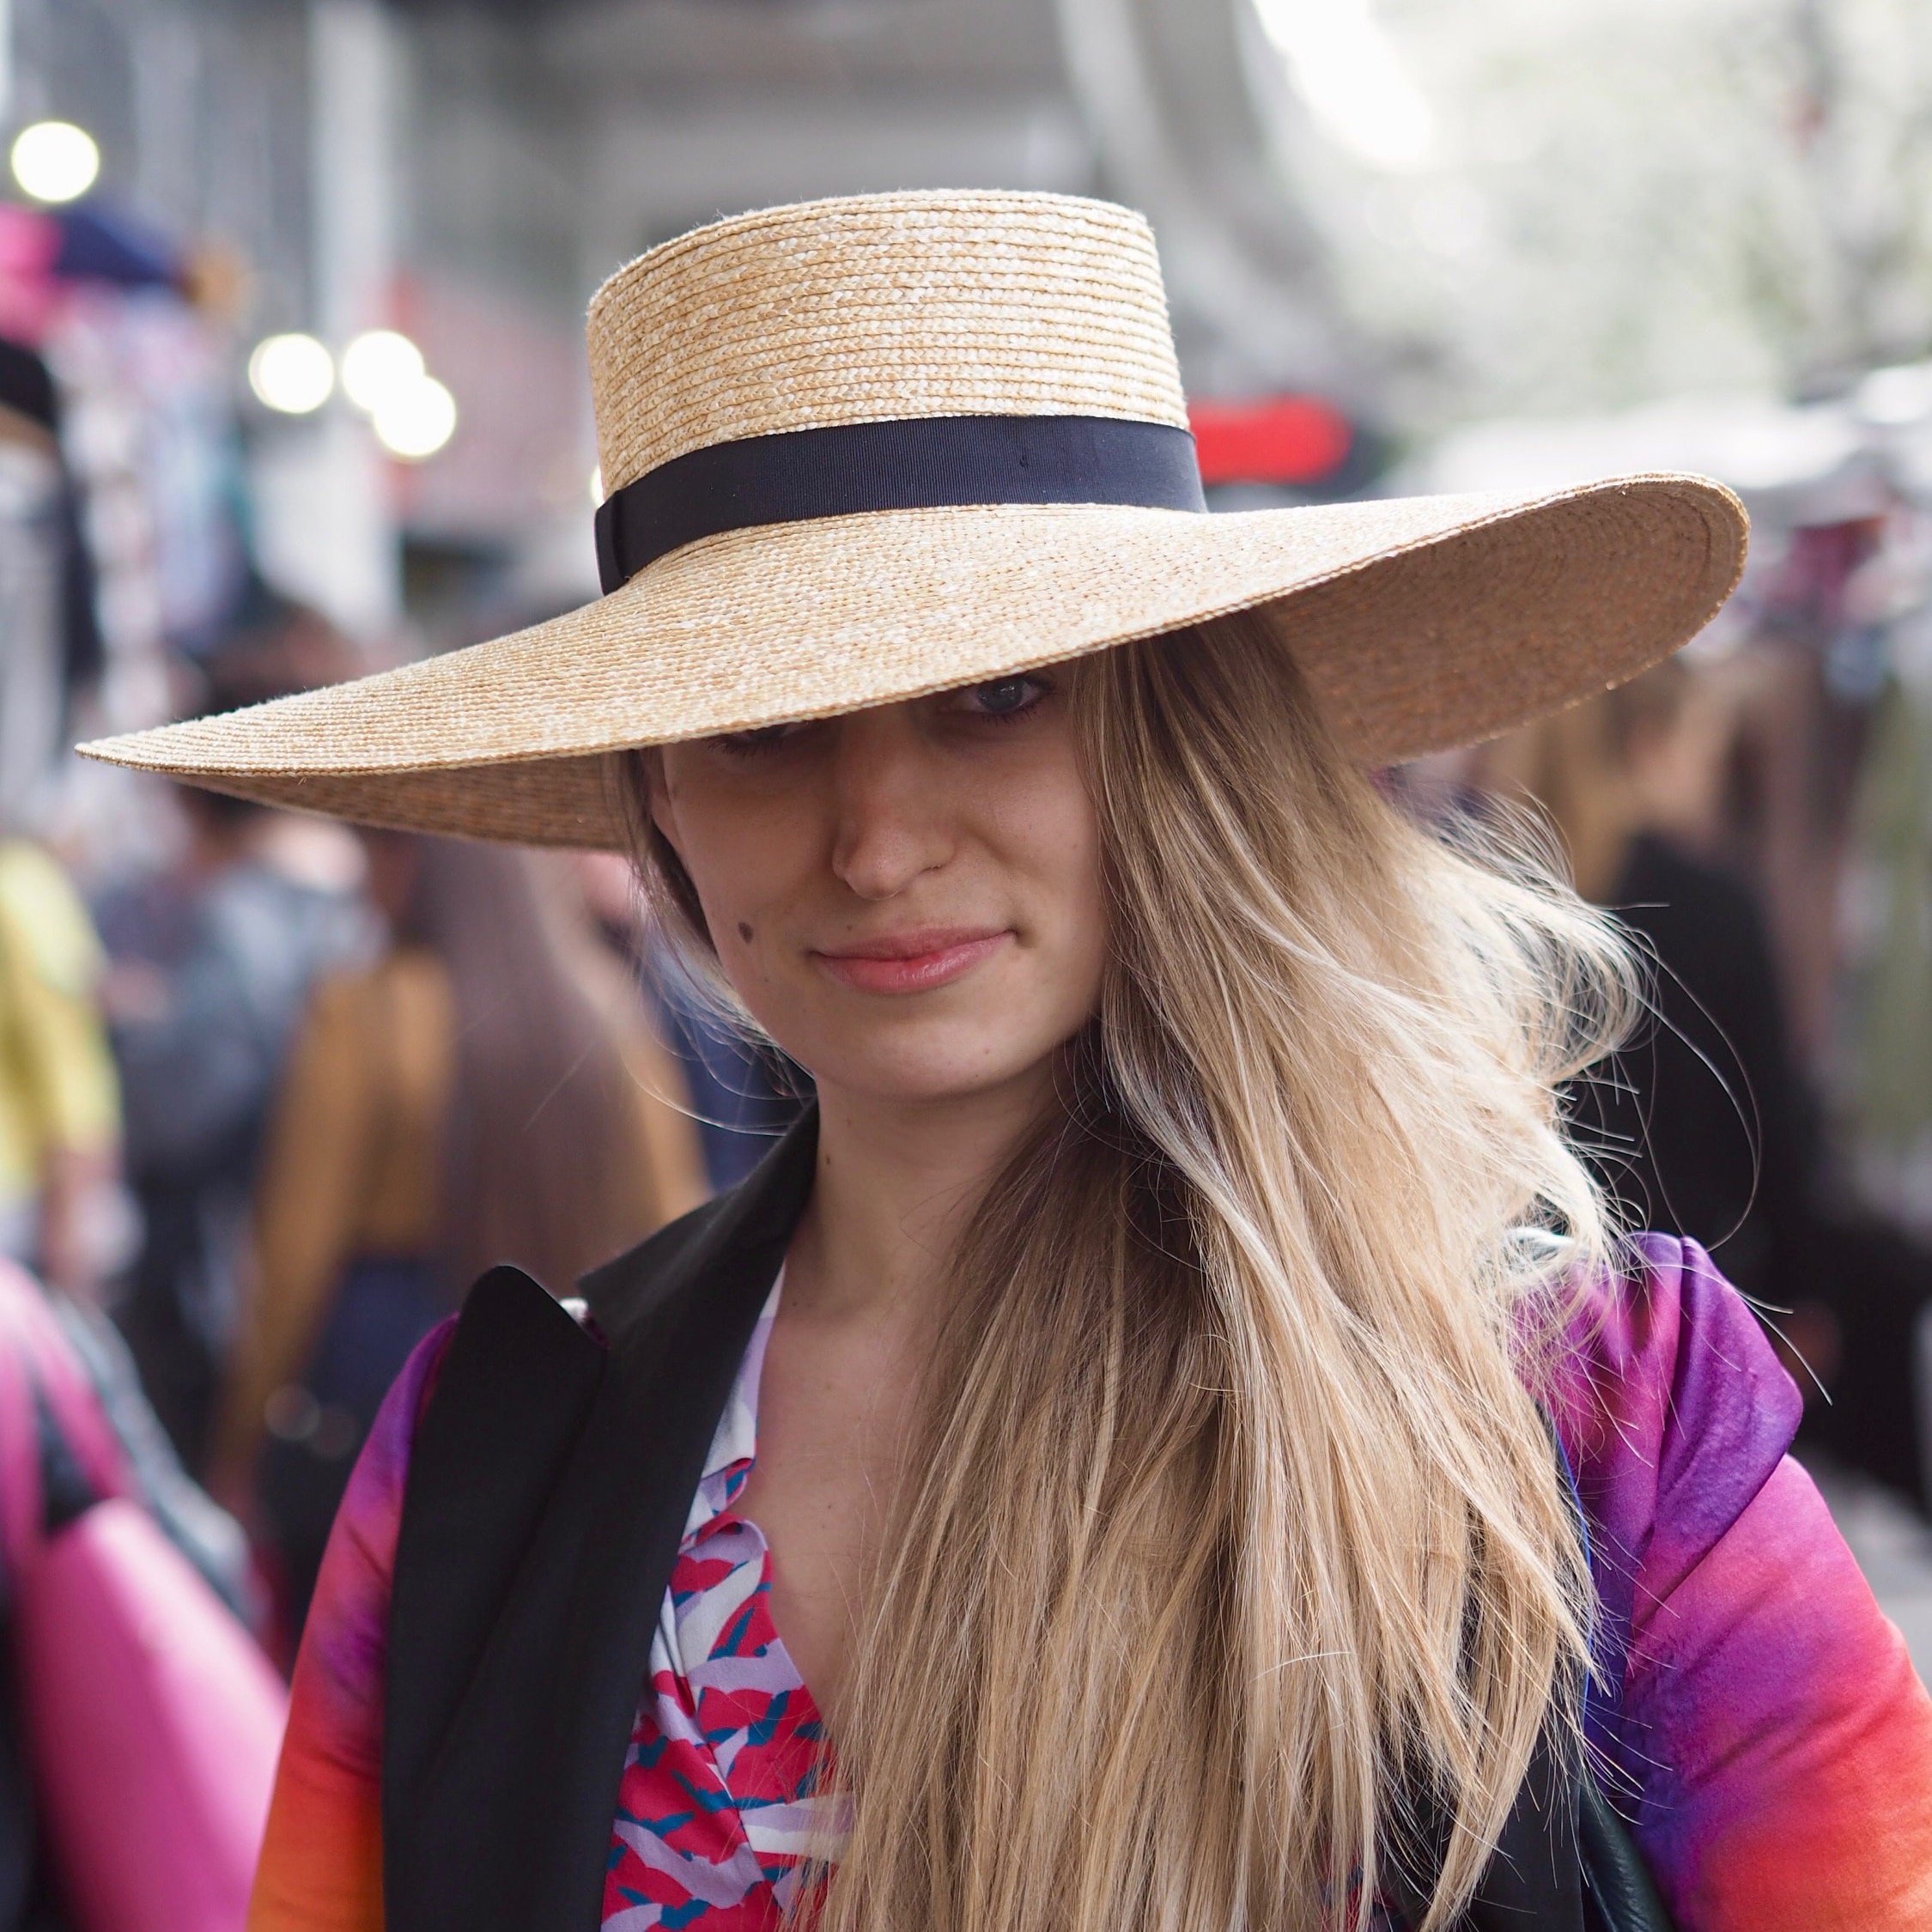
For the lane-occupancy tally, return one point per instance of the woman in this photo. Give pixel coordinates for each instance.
(1097, 1472)
(487, 1090)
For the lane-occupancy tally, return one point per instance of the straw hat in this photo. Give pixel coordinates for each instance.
(859, 450)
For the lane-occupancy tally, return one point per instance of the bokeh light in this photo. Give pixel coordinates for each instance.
(293, 374)
(1348, 71)
(1896, 396)
(415, 422)
(379, 367)
(55, 160)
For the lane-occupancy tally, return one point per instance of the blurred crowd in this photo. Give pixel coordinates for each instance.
(272, 1102)
(1758, 813)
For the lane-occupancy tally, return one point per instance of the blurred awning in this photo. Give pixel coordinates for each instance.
(1297, 439)
(1795, 463)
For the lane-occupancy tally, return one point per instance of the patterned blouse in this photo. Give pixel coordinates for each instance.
(716, 1810)
(1758, 1715)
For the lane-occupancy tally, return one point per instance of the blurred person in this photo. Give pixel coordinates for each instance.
(52, 651)
(1704, 1123)
(1098, 1471)
(212, 957)
(60, 1212)
(485, 1091)
(58, 1121)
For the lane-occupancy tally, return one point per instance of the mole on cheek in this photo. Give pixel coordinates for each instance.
(744, 931)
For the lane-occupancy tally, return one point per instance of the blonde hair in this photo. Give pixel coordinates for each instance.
(1235, 1548)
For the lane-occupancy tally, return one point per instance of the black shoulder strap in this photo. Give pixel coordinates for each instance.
(1620, 1894)
(1566, 1859)
(1532, 1883)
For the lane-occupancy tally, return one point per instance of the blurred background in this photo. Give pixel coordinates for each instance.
(292, 386)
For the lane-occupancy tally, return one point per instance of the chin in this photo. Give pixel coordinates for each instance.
(924, 1071)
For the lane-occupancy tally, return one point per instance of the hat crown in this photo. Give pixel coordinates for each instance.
(880, 308)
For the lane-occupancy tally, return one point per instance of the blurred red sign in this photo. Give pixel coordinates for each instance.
(1271, 439)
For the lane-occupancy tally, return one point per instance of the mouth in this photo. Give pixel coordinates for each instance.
(911, 962)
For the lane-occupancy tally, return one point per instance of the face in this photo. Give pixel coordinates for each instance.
(908, 899)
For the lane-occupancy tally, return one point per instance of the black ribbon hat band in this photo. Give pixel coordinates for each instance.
(920, 463)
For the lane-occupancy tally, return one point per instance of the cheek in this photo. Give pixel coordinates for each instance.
(1088, 935)
(1052, 837)
(743, 853)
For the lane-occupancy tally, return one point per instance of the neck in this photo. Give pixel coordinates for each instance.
(896, 1181)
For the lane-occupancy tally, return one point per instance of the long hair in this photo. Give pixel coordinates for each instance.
(1234, 1550)
(543, 1163)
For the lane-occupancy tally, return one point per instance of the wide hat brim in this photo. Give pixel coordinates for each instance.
(1419, 623)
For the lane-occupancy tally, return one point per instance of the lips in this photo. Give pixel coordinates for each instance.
(911, 962)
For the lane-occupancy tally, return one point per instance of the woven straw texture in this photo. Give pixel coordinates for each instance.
(875, 308)
(1420, 622)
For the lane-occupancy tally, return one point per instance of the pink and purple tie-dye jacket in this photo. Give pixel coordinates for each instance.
(1760, 1716)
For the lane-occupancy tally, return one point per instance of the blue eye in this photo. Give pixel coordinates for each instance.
(1006, 697)
(764, 738)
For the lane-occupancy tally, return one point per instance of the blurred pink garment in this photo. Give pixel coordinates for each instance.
(153, 1720)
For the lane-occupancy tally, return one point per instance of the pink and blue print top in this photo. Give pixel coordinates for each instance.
(718, 1810)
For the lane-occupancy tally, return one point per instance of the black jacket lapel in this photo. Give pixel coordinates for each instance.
(514, 1681)
(510, 1402)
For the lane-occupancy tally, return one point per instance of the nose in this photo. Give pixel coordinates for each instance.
(889, 820)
